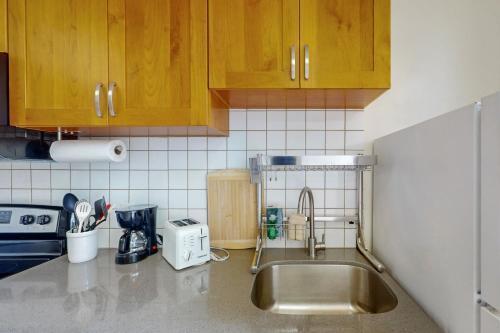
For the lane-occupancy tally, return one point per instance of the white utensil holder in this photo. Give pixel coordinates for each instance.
(82, 246)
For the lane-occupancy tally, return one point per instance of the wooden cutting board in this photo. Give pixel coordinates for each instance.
(232, 209)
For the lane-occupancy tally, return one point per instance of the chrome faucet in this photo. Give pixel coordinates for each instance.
(313, 244)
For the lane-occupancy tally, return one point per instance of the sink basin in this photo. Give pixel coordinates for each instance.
(321, 289)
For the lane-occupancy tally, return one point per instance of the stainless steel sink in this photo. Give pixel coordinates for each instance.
(312, 288)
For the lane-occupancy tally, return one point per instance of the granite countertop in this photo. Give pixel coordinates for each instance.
(150, 296)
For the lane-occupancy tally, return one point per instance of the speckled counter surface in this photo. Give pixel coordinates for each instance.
(150, 296)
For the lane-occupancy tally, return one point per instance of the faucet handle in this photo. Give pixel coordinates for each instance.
(323, 238)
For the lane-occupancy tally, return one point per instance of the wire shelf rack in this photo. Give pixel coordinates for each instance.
(295, 235)
(261, 164)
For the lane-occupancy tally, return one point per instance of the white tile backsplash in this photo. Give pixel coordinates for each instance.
(197, 179)
(40, 197)
(140, 143)
(315, 140)
(238, 120)
(21, 196)
(197, 199)
(276, 140)
(40, 179)
(315, 120)
(276, 120)
(139, 196)
(334, 198)
(177, 179)
(315, 179)
(335, 120)
(60, 179)
(217, 143)
(139, 160)
(197, 143)
(216, 160)
(139, 179)
(171, 171)
(177, 143)
(295, 120)
(295, 179)
(197, 160)
(335, 140)
(99, 179)
(256, 120)
(119, 180)
(276, 198)
(237, 140)
(295, 140)
(21, 179)
(80, 179)
(158, 143)
(236, 159)
(6, 195)
(256, 140)
(177, 160)
(159, 198)
(158, 160)
(178, 199)
(354, 121)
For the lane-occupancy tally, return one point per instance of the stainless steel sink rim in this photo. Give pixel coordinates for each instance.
(364, 292)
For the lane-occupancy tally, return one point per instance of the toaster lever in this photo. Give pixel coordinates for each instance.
(202, 236)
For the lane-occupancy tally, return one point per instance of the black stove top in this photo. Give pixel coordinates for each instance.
(30, 235)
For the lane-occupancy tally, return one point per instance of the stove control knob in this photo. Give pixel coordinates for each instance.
(43, 219)
(27, 219)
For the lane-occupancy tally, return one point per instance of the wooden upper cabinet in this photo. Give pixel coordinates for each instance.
(342, 52)
(348, 43)
(58, 53)
(251, 43)
(157, 58)
(139, 63)
(3, 26)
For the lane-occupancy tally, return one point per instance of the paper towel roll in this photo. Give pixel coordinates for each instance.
(88, 151)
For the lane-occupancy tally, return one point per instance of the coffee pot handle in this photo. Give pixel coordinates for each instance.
(124, 243)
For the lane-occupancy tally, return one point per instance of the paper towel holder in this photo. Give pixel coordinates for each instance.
(118, 150)
(60, 133)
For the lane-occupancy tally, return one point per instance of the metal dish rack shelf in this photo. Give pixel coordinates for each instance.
(358, 163)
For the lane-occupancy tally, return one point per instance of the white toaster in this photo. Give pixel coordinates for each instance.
(185, 243)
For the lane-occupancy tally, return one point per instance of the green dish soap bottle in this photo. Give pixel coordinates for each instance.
(274, 220)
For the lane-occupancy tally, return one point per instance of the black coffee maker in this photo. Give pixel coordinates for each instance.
(139, 233)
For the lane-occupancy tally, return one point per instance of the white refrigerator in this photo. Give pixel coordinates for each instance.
(436, 214)
(489, 297)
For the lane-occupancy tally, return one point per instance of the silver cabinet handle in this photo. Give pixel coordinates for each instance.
(97, 99)
(292, 62)
(306, 62)
(111, 108)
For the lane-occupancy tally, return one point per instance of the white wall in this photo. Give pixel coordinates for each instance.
(445, 54)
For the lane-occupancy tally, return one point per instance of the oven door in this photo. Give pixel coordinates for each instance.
(13, 265)
(19, 255)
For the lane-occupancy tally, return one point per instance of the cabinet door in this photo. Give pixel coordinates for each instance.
(251, 43)
(158, 59)
(57, 56)
(348, 42)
